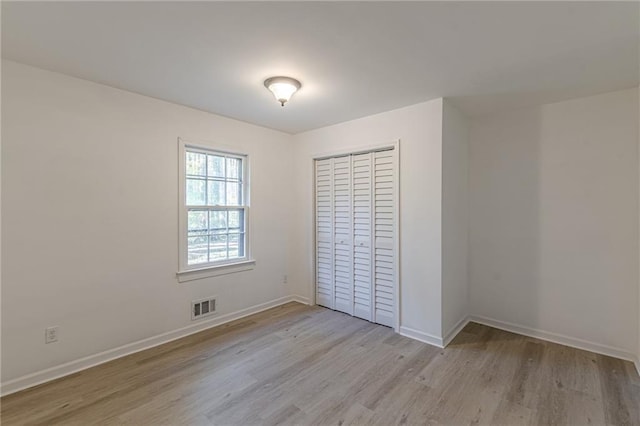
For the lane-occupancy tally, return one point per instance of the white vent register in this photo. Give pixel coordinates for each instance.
(356, 243)
(203, 308)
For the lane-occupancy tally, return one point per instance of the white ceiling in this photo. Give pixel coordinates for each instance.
(354, 59)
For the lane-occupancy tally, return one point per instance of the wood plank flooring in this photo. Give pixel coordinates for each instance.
(300, 365)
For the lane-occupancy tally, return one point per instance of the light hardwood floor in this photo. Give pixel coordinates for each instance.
(308, 365)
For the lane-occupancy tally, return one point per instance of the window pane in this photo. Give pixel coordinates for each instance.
(196, 164)
(196, 192)
(218, 221)
(234, 168)
(213, 184)
(236, 220)
(217, 247)
(216, 192)
(216, 166)
(197, 250)
(233, 194)
(236, 245)
(197, 222)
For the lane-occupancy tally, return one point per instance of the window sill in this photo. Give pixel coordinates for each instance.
(214, 271)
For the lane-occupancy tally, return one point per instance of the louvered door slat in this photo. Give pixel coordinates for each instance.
(343, 225)
(362, 199)
(324, 234)
(384, 238)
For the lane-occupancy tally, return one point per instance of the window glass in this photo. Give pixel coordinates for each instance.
(215, 207)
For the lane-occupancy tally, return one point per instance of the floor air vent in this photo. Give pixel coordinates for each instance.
(203, 308)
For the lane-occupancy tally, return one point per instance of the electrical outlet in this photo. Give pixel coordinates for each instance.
(51, 334)
(284, 279)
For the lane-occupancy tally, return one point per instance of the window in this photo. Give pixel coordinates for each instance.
(214, 210)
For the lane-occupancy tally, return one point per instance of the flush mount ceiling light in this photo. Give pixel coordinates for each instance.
(282, 87)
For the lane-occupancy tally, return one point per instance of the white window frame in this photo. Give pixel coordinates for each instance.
(188, 272)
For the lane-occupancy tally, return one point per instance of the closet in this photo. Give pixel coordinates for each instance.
(356, 254)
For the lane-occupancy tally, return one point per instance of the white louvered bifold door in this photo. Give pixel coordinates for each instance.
(324, 233)
(384, 238)
(356, 203)
(342, 227)
(362, 231)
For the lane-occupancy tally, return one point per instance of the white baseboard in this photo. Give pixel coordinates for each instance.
(434, 340)
(71, 367)
(556, 338)
(451, 334)
(300, 299)
(421, 336)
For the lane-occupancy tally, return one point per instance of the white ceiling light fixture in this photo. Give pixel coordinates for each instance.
(282, 88)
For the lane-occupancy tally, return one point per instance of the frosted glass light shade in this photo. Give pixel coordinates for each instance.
(282, 88)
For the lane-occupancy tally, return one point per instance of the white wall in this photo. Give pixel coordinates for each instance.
(419, 129)
(89, 217)
(455, 194)
(554, 218)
